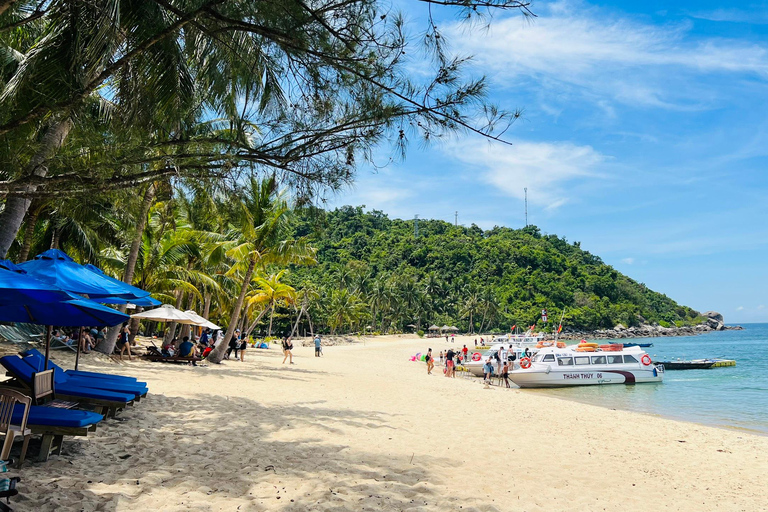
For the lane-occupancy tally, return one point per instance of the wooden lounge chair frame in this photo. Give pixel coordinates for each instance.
(8, 400)
(107, 408)
(53, 437)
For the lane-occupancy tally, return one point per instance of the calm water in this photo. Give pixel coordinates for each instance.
(732, 396)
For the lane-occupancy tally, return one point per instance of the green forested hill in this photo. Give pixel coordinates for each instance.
(374, 271)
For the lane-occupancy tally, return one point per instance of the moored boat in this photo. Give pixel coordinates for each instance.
(577, 365)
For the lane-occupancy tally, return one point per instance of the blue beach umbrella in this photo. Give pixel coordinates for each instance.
(138, 296)
(26, 299)
(56, 268)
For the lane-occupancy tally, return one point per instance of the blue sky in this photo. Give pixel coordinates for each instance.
(644, 136)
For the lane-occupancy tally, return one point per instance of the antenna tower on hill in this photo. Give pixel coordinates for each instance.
(526, 206)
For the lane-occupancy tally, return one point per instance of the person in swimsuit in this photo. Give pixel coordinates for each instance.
(287, 347)
(430, 361)
(243, 346)
(122, 342)
(505, 373)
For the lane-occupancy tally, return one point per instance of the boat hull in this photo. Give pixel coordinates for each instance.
(556, 378)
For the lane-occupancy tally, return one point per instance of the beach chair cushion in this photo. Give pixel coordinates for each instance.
(23, 371)
(61, 378)
(37, 359)
(55, 417)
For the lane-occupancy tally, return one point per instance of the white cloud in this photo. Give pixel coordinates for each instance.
(733, 16)
(544, 168)
(740, 308)
(761, 306)
(580, 47)
(628, 261)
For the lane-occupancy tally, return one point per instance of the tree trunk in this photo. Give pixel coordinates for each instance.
(108, 345)
(55, 238)
(29, 229)
(172, 325)
(16, 206)
(5, 5)
(207, 306)
(217, 354)
(133, 327)
(298, 318)
(253, 325)
(311, 328)
(271, 316)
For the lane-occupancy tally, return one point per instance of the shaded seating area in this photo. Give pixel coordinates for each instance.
(105, 402)
(39, 397)
(52, 420)
(173, 359)
(104, 381)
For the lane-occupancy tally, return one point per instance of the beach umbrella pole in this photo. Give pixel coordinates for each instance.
(79, 342)
(48, 332)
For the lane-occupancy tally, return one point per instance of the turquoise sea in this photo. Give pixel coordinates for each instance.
(735, 397)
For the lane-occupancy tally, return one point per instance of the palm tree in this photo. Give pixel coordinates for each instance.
(271, 292)
(262, 239)
(345, 308)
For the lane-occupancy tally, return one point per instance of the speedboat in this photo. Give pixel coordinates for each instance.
(586, 364)
(477, 359)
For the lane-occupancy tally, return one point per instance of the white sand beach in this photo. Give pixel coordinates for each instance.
(363, 428)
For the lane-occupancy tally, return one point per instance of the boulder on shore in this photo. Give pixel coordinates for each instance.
(714, 315)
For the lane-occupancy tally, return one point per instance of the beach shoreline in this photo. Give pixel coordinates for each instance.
(363, 428)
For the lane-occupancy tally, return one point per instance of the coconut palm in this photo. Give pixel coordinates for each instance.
(263, 217)
(271, 293)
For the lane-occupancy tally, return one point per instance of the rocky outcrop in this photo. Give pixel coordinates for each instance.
(713, 322)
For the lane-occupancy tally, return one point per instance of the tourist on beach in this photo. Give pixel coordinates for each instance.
(505, 373)
(86, 342)
(318, 345)
(465, 351)
(187, 348)
(122, 342)
(287, 347)
(234, 344)
(446, 338)
(169, 348)
(204, 337)
(442, 358)
(449, 363)
(475, 342)
(487, 370)
(502, 357)
(430, 361)
(243, 345)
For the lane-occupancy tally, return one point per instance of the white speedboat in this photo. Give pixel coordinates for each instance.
(586, 364)
(478, 359)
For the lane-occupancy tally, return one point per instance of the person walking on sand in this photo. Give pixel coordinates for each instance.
(243, 346)
(318, 345)
(442, 358)
(464, 352)
(287, 347)
(430, 361)
(122, 342)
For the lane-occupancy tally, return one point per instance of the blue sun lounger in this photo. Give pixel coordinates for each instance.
(53, 423)
(60, 378)
(103, 401)
(77, 373)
